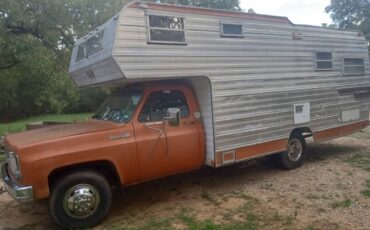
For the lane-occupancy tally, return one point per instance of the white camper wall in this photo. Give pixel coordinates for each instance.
(257, 79)
(202, 89)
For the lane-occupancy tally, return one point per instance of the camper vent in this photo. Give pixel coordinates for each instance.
(324, 61)
(166, 29)
(354, 66)
(297, 36)
(232, 30)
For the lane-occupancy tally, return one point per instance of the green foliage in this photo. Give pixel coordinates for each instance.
(351, 14)
(2, 158)
(36, 40)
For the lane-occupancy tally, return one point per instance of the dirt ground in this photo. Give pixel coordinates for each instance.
(331, 191)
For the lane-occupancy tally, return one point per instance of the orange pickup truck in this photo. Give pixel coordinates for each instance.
(129, 140)
(197, 87)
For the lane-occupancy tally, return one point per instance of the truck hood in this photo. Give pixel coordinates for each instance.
(18, 140)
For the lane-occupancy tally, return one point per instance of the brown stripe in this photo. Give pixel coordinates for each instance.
(340, 131)
(271, 147)
(218, 159)
(261, 149)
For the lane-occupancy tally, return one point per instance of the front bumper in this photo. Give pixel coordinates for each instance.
(20, 193)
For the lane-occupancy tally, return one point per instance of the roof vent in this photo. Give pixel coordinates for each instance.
(297, 36)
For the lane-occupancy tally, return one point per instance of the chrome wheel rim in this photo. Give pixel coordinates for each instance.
(81, 201)
(295, 150)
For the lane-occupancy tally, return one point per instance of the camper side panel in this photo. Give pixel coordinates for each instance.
(260, 81)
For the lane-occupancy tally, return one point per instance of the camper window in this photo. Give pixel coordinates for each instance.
(166, 29)
(354, 66)
(81, 52)
(90, 46)
(324, 61)
(94, 43)
(231, 30)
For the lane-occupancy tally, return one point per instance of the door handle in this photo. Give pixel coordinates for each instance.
(121, 136)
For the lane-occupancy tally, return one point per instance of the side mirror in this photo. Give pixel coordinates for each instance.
(173, 117)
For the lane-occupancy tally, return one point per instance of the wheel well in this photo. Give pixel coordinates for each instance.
(106, 168)
(304, 131)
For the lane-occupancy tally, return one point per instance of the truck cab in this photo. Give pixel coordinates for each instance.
(139, 133)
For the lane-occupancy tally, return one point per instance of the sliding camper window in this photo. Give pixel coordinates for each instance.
(166, 29)
(90, 46)
(354, 66)
(324, 61)
(232, 30)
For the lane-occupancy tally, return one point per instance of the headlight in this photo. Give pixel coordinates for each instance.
(13, 163)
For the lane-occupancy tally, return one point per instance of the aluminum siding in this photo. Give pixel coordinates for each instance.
(255, 80)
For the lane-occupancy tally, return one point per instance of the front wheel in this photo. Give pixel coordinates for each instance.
(80, 200)
(295, 154)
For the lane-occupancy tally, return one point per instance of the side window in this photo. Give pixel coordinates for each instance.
(232, 30)
(157, 104)
(354, 66)
(324, 61)
(90, 46)
(166, 29)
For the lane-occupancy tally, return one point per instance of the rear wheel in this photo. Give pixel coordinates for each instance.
(80, 200)
(295, 154)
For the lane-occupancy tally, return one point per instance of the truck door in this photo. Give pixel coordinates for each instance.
(164, 149)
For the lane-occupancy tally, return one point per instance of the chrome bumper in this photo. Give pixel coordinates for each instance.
(20, 193)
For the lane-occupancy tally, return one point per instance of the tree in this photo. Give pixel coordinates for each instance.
(351, 14)
(36, 40)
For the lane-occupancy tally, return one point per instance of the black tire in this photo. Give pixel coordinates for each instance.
(79, 185)
(289, 160)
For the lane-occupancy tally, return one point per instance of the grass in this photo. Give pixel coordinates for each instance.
(242, 218)
(192, 224)
(189, 222)
(366, 192)
(20, 125)
(360, 159)
(209, 198)
(342, 204)
(364, 134)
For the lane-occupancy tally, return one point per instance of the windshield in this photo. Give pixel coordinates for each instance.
(119, 107)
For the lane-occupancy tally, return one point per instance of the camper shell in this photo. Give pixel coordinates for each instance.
(257, 78)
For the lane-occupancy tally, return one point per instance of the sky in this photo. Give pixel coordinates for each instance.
(309, 12)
